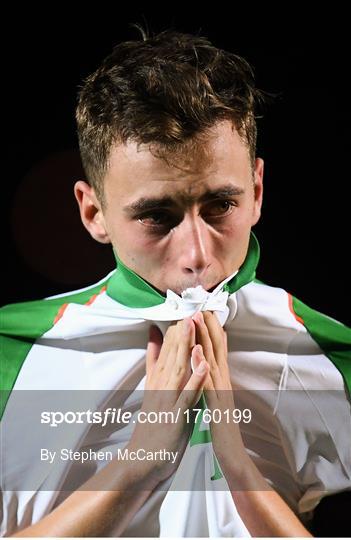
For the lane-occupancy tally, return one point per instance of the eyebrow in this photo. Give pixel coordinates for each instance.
(144, 204)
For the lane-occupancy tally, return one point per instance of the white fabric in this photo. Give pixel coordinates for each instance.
(302, 448)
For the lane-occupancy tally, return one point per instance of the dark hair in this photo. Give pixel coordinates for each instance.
(164, 91)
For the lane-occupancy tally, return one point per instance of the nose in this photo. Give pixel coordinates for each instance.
(194, 245)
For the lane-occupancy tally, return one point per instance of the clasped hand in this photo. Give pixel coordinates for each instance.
(171, 387)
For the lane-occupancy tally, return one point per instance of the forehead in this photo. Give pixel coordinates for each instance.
(221, 158)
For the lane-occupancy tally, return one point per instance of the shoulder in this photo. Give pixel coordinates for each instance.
(32, 319)
(23, 324)
(266, 300)
(280, 312)
(271, 305)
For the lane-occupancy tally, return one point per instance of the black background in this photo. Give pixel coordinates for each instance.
(303, 139)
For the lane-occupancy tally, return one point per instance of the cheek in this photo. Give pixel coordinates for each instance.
(143, 250)
(127, 235)
(236, 227)
(243, 220)
(140, 251)
(235, 233)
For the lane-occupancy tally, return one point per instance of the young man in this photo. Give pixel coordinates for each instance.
(167, 137)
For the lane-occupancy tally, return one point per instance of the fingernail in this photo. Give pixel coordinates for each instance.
(201, 368)
(198, 317)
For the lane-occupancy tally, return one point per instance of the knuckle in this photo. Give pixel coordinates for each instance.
(215, 369)
(180, 370)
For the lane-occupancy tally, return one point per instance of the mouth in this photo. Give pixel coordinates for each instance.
(179, 290)
(194, 285)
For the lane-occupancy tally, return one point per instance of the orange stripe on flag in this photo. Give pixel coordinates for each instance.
(91, 300)
(88, 303)
(94, 297)
(60, 313)
(291, 307)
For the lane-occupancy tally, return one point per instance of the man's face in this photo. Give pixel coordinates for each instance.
(182, 227)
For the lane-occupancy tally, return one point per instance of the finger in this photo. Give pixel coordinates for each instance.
(197, 356)
(168, 346)
(203, 338)
(216, 332)
(209, 327)
(181, 370)
(225, 341)
(193, 389)
(169, 351)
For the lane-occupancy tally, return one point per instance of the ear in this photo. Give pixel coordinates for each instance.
(258, 187)
(90, 212)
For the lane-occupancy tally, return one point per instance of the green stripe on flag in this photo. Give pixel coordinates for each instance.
(333, 337)
(20, 325)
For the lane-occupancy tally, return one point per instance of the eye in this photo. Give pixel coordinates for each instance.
(156, 219)
(220, 208)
